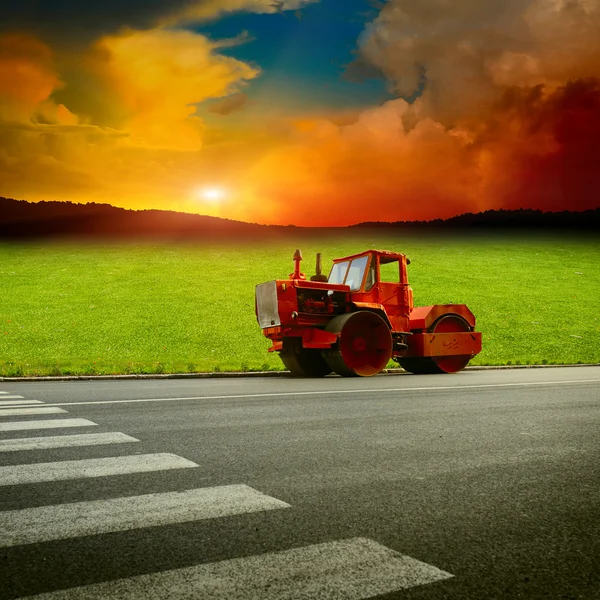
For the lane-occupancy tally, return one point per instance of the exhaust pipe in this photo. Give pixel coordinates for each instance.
(319, 276)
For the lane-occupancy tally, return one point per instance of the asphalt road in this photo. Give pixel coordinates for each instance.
(482, 485)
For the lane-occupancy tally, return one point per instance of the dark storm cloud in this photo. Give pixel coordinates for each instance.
(82, 20)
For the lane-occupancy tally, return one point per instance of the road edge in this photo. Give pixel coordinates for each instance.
(219, 374)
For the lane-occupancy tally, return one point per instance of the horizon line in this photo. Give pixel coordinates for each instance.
(291, 225)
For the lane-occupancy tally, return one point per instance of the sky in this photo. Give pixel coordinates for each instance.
(304, 112)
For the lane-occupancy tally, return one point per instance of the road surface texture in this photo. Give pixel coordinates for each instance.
(479, 485)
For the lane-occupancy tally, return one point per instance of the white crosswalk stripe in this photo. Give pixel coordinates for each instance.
(11, 397)
(52, 424)
(19, 402)
(34, 525)
(64, 441)
(91, 467)
(343, 570)
(36, 410)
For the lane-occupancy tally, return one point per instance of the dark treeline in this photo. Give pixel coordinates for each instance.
(588, 220)
(24, 220)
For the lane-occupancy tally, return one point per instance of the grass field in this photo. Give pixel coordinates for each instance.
(103, 309)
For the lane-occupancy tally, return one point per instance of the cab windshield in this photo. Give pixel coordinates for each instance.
(349, 272)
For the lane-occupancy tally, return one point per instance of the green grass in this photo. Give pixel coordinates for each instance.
(92, 309)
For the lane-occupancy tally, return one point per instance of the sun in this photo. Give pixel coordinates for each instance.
(212, 195)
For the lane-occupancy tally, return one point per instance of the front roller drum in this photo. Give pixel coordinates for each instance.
(302, 362)
(364, 346)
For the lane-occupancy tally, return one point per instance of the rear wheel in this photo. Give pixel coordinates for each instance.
(303, 362)
(422, 365)
(364, 347)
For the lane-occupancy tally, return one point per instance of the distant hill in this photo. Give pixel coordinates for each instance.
(24, 220)
(20, 219)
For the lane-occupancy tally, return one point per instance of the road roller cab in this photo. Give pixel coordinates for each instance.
(378, 282)
(359, 318)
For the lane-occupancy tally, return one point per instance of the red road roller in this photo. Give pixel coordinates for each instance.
(353, 322)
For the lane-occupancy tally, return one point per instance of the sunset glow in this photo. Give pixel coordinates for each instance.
(310, 114)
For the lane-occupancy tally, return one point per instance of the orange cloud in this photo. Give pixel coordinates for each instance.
(387, 165)
(27, 75)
